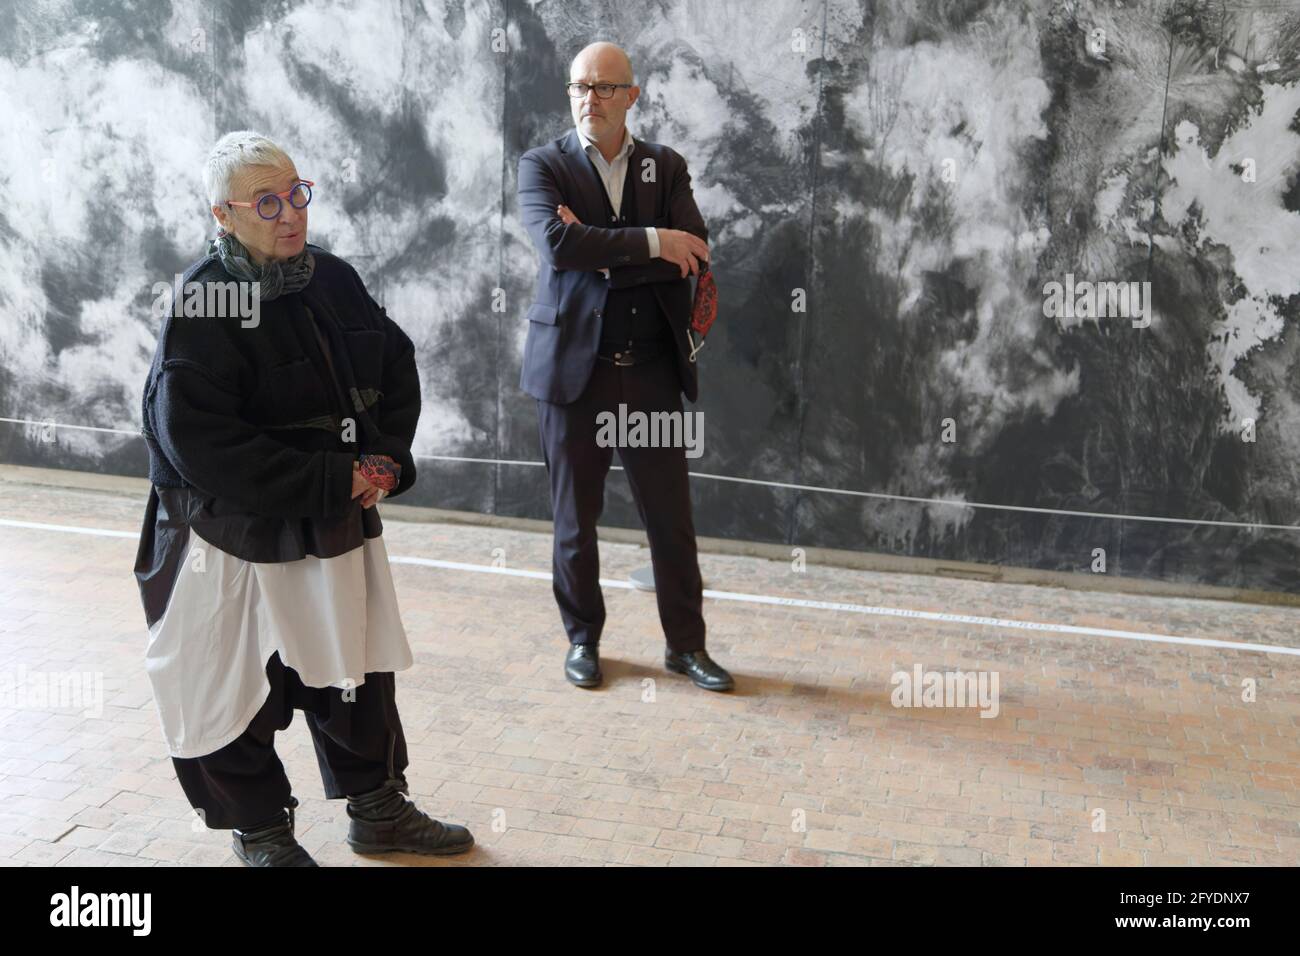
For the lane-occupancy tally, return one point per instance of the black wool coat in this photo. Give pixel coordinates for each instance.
(256, 416)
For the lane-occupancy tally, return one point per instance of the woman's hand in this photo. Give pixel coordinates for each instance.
(369, 494)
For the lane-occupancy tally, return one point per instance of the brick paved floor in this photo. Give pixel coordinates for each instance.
(807, 763)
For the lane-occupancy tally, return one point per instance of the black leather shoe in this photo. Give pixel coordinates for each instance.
(700, 668)
(582, 665)
(273, 843)
(383, 820)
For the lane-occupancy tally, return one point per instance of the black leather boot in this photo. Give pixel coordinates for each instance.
(383, 820)
(272, 843)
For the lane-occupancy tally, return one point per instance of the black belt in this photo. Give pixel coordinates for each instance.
(633, 352)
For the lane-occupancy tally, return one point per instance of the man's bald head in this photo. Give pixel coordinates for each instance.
(609, 59)
(603, 120)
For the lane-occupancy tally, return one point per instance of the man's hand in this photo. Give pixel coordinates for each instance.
(685, 249)
(568, 218)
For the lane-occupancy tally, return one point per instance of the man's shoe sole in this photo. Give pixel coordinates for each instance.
(593, 682)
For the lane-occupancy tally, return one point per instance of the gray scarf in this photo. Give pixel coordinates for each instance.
(274, 277)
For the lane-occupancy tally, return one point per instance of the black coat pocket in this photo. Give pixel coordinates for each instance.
(366, 353)
(293, 392)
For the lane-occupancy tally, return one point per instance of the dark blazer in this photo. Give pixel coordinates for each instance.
(564, 320)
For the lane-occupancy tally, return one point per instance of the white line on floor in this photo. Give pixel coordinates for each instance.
(778, 601)
(69, 528)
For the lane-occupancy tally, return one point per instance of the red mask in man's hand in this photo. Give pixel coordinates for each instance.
(705, 307)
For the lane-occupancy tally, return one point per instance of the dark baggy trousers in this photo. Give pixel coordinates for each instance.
(577, 466)
(359, 746)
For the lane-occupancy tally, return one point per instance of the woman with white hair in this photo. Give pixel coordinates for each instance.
(261, 566)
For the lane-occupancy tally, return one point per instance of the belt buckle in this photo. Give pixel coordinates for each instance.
(619, 356)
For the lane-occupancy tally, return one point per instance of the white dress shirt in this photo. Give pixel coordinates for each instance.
(614, 175)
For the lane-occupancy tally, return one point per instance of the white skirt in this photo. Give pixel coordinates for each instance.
(332, 620)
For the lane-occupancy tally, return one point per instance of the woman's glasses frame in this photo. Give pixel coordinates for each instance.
(270, 205)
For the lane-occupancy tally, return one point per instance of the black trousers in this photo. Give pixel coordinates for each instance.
(359, 745)
(577, 467)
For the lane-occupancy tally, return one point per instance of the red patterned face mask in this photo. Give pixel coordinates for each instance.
(705, 308)
(380, 470)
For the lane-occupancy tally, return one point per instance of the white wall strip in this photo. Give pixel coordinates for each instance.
(75, 428)
(866, 609)
(880, 495)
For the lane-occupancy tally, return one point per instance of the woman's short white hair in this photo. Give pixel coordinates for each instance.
(232, 153)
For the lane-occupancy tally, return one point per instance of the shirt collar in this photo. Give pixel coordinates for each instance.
(588, 144)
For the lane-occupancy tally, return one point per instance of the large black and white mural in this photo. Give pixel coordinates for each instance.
(1004, 282)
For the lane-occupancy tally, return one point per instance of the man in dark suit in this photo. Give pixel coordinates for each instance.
(618, 234)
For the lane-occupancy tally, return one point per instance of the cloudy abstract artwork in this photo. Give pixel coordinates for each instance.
(910, 205)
